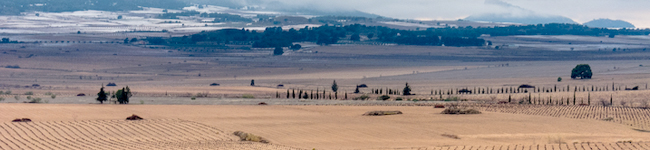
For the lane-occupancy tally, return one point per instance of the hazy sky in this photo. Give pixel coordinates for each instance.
(636, 12)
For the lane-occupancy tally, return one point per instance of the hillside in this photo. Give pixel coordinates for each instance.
(12, 7)
(609, 23)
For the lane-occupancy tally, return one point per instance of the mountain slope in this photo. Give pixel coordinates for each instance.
(608, 23)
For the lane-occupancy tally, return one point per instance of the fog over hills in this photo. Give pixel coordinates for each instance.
(516, 14)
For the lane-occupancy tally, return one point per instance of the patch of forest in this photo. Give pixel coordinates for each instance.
(327, 34)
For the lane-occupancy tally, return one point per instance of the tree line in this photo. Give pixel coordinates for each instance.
(327, 34)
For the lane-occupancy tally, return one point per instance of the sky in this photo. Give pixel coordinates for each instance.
(633, 11)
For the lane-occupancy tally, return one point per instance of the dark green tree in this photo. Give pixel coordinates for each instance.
(582, 71)
(126, 41)
(101, 96)
(355, 37)
(278, 51)
(119, 17)
(335, 87)
(123, 95)
(356, 90)
(296, 47)
(252, 82)
(407, 90)
(559, 79)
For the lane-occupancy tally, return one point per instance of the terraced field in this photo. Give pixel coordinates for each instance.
(636, 117)
(574, 146)
(120, 134)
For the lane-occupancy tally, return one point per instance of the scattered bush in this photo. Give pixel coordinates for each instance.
(193, 98)
(141, 102)
(381, 113)
(53, 96)
(456, 110)
(48, 93)
(29, 97)
(29, 93)
(1, 92)
(451, 136)
(250, 137)
(452, 99)
(134, 117)
(2, 99)
(248, 96)
(383, 97)
(13, 67)
(22, 120)
(35, 100)
(398, 99)
(362, 97)
(8, 92)
(608, 119)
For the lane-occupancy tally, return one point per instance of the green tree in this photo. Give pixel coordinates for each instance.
(582, 71)
(123, 95)
(371, 35)
(335, 87)
(407, 90)
(559, 79)
(101, 96)
(296, 47)
(278, 51)
(355, 37)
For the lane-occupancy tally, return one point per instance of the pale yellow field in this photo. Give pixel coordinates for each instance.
(320, 127)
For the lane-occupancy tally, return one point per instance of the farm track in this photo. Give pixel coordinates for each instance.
(120, 134)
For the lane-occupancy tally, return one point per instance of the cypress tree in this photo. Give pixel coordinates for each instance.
(101, 96)
(574, 97)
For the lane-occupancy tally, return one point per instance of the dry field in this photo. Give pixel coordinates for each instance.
(71, 126)
(170, 76)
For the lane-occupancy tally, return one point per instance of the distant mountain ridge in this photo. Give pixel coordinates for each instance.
(530, 19)
(609, 23)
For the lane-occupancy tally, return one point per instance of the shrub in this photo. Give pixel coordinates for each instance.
(398, 99)
(48, 93)
(456, 110)
(35, 100)
(193, 98)
(8, 92)
(381, 113)
(383, 97)
(2, 99)
(247, 96)
(53, 96)
(250, 137)
(29, 93)
(451, 136)
(362, 97)
(452, 99)
(1, 92)
(29, 97)
(141, 102)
